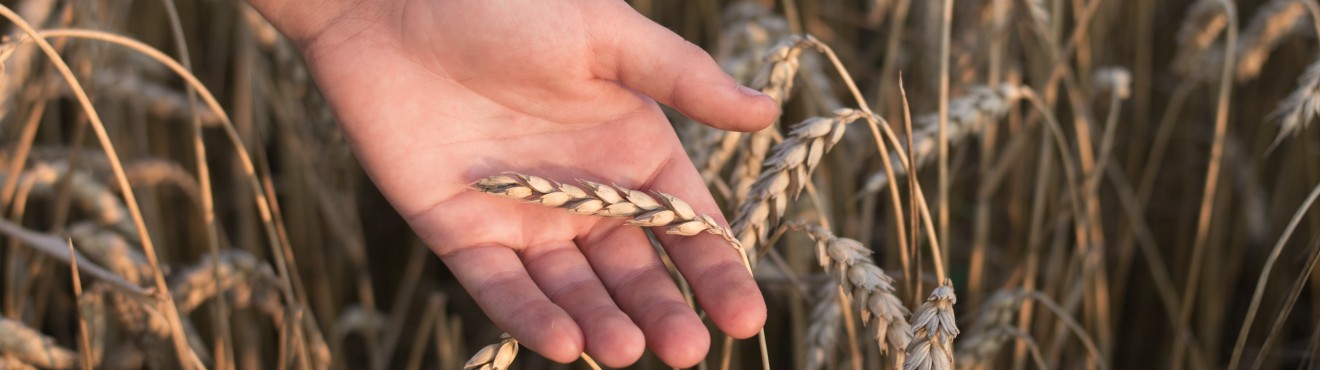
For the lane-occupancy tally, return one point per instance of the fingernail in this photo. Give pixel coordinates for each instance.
(750, 91)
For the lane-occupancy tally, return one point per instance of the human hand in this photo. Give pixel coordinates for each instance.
(435, 94)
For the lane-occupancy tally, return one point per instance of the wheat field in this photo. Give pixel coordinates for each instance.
(969, 184)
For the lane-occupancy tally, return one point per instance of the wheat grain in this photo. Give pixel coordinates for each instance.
(968, 115)
(496, 356)
(934, 328)
(786, 172)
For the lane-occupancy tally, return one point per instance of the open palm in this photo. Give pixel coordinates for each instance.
(435, 94)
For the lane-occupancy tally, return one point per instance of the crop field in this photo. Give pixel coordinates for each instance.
(952, 184)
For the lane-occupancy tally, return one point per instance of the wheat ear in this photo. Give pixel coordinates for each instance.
(596, 199)
(934, 328)
(235, 270)
(779, 67)
(90, 195)
(786, 172)
(968, 116)
(1297, 111)
(1271, 25)
(849, 261)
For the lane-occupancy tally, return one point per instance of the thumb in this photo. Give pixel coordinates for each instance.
(650, 59)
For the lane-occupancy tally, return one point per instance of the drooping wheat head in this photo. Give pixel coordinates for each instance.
(786, 172)
(1203, 22)
(871, 290)
(1271, 25)
(968, 116)
(933, 329)
(1297, 111)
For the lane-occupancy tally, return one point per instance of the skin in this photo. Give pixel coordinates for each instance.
(436, 94)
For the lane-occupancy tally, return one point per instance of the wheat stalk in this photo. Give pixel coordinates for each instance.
(968, 115)
(496, 356)
(849, 261)
(934, 328)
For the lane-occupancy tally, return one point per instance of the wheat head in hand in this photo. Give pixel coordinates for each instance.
(434, 95)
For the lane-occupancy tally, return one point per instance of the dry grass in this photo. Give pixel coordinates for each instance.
(1107, 188)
